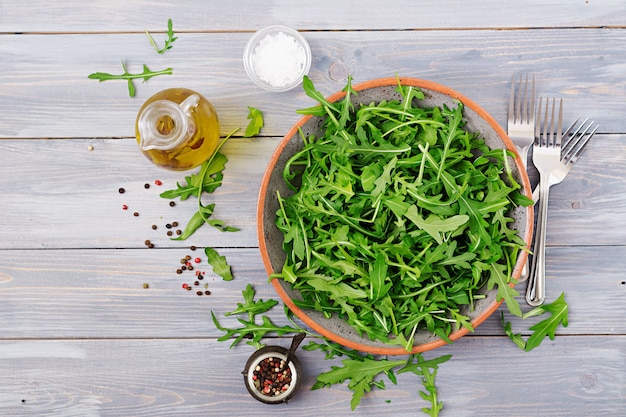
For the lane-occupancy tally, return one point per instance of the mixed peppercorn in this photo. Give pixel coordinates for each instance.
(271, 377)
(186, 262)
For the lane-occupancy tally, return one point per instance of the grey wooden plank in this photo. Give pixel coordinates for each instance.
(574, 376)
(99, 293)
(100, 16)
(45, 85)
(58, 193)
(43, 200)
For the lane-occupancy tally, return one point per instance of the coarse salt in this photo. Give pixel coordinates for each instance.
(279, 59)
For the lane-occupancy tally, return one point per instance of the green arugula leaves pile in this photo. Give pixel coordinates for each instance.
(398, 217)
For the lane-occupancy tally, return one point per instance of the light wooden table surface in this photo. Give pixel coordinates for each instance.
(80, 336)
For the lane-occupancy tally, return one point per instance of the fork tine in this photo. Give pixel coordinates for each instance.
(530, 113)
(538, 123)
(568, 136)
(580, 142)
(559, 124)
(551, 129)
(512, 100)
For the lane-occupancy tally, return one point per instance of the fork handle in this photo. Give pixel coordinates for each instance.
(535, 291)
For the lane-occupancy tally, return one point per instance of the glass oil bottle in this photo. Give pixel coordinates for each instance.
(177, 129)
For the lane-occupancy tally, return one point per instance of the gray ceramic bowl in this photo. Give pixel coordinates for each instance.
(271, 239)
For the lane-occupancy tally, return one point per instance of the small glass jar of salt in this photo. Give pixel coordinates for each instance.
(277, 57)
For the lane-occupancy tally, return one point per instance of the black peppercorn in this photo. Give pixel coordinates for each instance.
(207, 292)
(121, 191)
(172, 204)
(136, 214)
(154, 227)
(146, 186)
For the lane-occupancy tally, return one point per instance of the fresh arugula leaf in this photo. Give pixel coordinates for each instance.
(558, 310)
(255, 124)
(360, 372)
(250, 306)
(498, 277)
(427, 370)
(168, 42)
(196, 182)
(251, 330)
(219, 264)
(515, 337)
(206, 181)
(146, 75)
(196, 221)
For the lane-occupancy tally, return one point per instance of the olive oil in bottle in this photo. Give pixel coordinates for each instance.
(177, 129)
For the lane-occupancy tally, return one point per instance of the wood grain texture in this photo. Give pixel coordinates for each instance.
(189, 15)
(488, 377)
(45, 91)
(57, 190)
(79, 333)
(99, 293)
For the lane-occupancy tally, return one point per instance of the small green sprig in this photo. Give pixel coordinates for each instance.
(146, 75)
(250, 328)
(168, 43)
(255, 124)
(558, 310)
(427, 370)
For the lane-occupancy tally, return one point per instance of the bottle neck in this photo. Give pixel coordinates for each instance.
(165, 125)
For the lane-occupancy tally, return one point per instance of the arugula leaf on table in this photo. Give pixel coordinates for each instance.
(250, 329)
(146, 75)
(219, 264)
(558, 310)
(194, 183)
(196, 221)
(255, 124)
(427, 370)
(168, 42)
(250, 306)
(360, 372)
(206, 181)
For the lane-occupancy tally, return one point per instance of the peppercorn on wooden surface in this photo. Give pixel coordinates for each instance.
(93, 322)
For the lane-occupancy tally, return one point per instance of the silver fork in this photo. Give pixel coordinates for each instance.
(521, 121)
(521, 124)
(553, 160)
